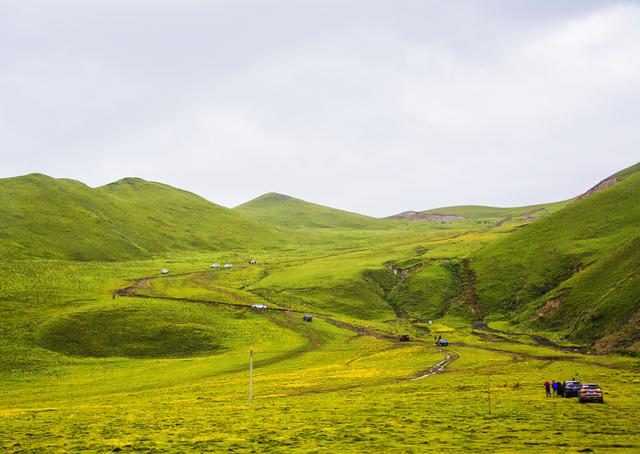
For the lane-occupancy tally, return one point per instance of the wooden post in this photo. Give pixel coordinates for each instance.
(250, 376)
(489, 395)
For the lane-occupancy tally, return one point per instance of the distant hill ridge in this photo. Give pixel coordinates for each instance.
(480, 214)
(431, 217)
(132, 218)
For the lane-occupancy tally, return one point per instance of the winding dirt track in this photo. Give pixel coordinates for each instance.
(539, 340)
(440, 367)
(450, 356)
(314, 343)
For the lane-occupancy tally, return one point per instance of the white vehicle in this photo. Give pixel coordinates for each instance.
(259, 306)
(228, 265)
(164, 271)
(215, 265)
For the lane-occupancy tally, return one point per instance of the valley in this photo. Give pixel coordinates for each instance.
(101, 352)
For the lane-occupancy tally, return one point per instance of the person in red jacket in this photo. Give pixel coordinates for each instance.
(547, 388)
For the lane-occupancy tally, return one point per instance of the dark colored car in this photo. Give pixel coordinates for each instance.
(442, 343)
(590, 393)
(571, 388)
(307, 318)
(404, 338)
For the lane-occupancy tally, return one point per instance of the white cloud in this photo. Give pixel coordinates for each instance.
(367, 106)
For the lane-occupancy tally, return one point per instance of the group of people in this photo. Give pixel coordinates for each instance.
(556, 386)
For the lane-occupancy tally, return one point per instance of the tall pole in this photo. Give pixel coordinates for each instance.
(489, 395)
(250, 376)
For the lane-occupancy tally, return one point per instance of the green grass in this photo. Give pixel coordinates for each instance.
(317, 387)
(167, 369)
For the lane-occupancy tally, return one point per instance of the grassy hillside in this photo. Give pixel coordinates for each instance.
(65, 219)
(162, 218)
(624, 173)
(473, 215)
(288, 212)
(576, 269)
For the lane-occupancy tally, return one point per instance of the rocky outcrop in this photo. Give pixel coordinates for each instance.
(428, 217)
(599, 187)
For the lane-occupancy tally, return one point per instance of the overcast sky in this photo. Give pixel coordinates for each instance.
(371, 106)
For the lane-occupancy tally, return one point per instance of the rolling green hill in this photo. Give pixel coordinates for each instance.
(64, 219)
(477, 214)
(288, 212)
(576, 270)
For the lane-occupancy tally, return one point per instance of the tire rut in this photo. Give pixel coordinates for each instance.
(315, 342)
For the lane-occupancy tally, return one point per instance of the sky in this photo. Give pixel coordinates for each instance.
(376, 107)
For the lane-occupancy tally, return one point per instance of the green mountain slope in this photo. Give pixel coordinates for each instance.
(576, 270)
(288, 212)
(64, 219)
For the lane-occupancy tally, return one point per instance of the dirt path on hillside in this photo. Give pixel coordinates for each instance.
(539, 340)
(478, 324)
(130, 291)
(314, 342)
(439, 368)
(450, 356)
(520, 356)
(360, 330)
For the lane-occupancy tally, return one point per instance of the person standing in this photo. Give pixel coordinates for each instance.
(554, 385)
(547, 388)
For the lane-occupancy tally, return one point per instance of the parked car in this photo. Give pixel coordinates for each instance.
(571, 388)
(215, 265)
(442, 343)
(404, 338)
(258, 306)
(307, 318)
(228, 265)
(164, 271)
(590, 393)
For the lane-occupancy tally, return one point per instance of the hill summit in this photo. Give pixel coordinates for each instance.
(284, 211)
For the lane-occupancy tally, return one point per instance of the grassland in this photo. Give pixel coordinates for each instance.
(110, 355)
